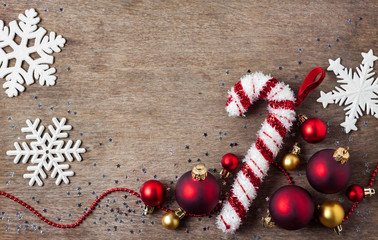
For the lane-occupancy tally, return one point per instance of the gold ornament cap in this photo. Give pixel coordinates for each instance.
(341, 155)
(267, 220)
(295, 149)
(301, 119)
(199, 172)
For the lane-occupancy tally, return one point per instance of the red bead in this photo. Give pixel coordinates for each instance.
(152, 193)
(314, 130)
(230, 162)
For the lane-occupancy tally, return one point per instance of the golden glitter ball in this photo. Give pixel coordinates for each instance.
(290, 161)
(170, 221)
(331, 214)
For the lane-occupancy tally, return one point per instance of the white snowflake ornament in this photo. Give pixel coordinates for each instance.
(47, 151)
(359, 92)
(37, 57)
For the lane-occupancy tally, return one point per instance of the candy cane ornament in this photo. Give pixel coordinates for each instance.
(281, 104)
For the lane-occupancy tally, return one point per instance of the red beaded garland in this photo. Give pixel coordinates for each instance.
(230, 162)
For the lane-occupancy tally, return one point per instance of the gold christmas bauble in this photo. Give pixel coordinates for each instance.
(331, 214)
(170, 221)
(290, 162)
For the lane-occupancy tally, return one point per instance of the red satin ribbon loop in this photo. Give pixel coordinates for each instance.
(309, 84)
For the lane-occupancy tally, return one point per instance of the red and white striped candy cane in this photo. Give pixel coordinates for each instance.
(281, 115)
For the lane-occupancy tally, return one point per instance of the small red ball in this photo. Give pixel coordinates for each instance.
(152, 193)
(314, 130)
(291, 207)
(230, 162)
(355, 193)
(197, 197)
(325, 174)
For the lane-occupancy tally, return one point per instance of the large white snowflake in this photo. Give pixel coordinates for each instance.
(359, 92)
(47, 151)
(30, 59)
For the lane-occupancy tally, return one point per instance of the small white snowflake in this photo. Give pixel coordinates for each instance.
(31, 62)
(47, 151)
(359, 92)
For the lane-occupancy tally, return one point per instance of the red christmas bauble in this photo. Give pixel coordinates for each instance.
(355, 193)
(291, 207)
(152, 193)
(230, 162)
(197, 196)
(325, 174)
(314, 130)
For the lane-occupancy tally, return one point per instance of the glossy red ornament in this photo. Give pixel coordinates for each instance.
(152, 193)
(197, 196)
(325, 174)
(355, 193)
(313, 130)
(291, 207)
(230, 162)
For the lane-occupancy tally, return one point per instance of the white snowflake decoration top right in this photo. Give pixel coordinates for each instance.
(359, 93)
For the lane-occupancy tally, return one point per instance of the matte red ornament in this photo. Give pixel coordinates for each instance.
(291, 207)
(355, 193)
(152, 193)
(325, 174)
(313, 130)
(230, 162)
(197, 196)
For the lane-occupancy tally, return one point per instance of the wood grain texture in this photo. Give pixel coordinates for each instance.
(151, 76)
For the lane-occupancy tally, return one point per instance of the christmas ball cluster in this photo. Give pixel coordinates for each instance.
(197, 192)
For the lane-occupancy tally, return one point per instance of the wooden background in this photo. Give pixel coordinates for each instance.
(143, 82)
